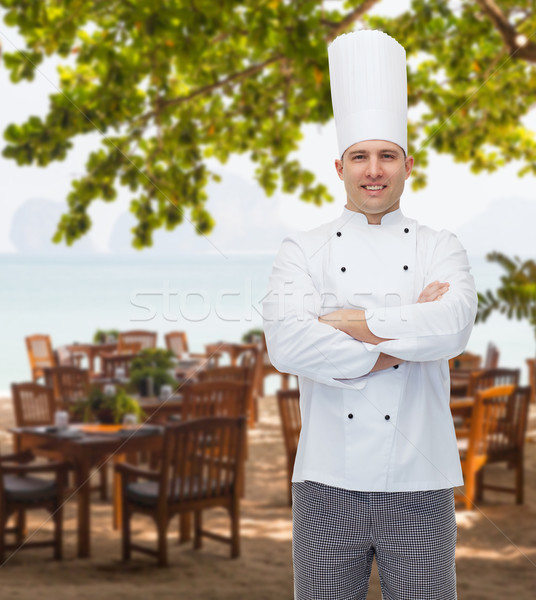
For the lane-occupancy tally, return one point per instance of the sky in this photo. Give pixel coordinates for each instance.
(453, 198)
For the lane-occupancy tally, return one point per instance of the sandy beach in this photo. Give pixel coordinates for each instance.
(496, 552)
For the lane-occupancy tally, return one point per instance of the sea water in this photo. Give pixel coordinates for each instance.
(212, 298)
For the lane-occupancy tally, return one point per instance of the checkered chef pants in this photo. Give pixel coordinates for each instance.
(336, 534)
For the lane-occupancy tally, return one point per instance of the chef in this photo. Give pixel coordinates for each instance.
(367, 310)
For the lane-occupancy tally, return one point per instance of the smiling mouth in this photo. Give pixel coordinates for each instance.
(374, 188)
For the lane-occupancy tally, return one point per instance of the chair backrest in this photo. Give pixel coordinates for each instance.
(40, 354)
(227, 373)
(492, 378)
(289, 410)
(508, 438)
(489, 412)
(202, 460)
(70, 384)
(177, 342)
(33, 404)
(492, 357)
(251, 356)
(112, 362)
(214, 398)
(145, 339)
(465, 361)
(531, 363)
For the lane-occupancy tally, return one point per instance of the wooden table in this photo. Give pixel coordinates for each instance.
(92, 351)
(158, 411)
(86, 448)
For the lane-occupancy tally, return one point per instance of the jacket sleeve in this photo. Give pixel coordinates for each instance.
(432, 330)
(297, 342)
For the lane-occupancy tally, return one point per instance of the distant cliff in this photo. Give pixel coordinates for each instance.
(33, 225)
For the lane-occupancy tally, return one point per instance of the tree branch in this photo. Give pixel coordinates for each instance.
(210, 88)
(350, 18)
(518, 44)
(336, 28)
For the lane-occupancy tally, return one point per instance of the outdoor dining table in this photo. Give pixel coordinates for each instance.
(158, 410)
(85, 447)
(92, 352)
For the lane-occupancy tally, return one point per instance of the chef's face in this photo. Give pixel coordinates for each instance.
(374, 173)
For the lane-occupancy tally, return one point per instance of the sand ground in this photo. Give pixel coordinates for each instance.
(496, 552)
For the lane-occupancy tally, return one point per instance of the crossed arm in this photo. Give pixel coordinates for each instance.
(340, 346)
(353, 322)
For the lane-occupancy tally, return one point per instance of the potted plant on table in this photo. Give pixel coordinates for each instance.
(106, 405)
(151, 369)
(102, 336)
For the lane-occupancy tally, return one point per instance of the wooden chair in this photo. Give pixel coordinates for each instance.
(145, 339)
(244, 374)
(490, 408)
(507, 444)
(70, 384)
(289, 411)
(461, 368)
(112, 362)
(492, 357)
(250, 356)
(21, 490)
(227, 373)
(40, 354)
(481, 380)
(492, 378)
(33, 404)
(214, 398)
(531, 363)
(200, 469)
(177, 342)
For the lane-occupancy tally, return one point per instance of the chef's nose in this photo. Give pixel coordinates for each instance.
(374, 168)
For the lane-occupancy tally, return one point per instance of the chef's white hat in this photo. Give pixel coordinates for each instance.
(368, 88)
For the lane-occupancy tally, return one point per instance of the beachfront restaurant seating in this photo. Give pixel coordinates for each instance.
(506, 444)
(288, 402)
(201, 468)
(145, 339)
(250, 356)
(23, 488)
(242, 373)
(491, 360)
(489, 410)
(214, 398)
(488, 378)
(177, 342)
(33, 404)
(112, 364)
(531, 364)
(70, 384)
(40, 354)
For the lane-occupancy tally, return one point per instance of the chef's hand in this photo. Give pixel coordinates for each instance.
(433, 291)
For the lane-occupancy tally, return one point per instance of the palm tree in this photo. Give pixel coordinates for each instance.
(516, 296)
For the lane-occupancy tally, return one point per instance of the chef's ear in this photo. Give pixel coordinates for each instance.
(409, 165)
(339, 166)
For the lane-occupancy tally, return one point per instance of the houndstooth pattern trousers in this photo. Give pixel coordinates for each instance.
(336, 534)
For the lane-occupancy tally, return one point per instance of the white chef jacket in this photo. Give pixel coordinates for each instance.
(390, 430)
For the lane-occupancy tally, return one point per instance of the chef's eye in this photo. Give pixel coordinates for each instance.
(389, 156)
